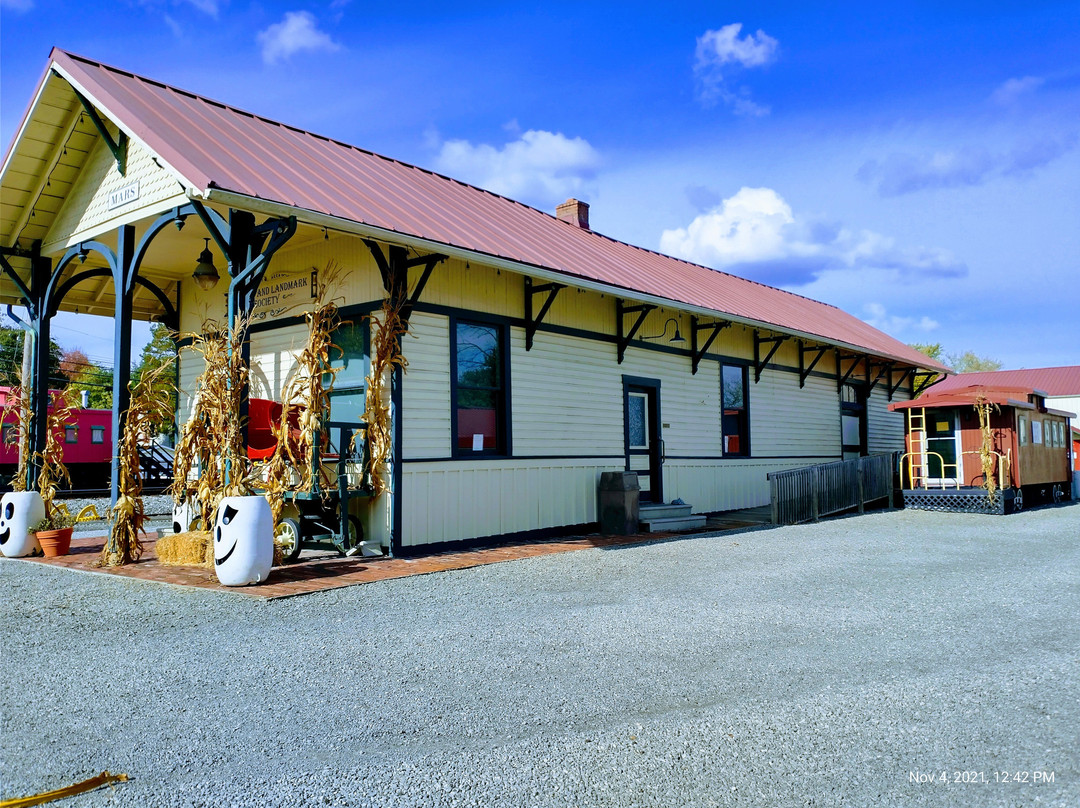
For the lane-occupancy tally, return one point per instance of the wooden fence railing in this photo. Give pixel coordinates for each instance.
(807, 494)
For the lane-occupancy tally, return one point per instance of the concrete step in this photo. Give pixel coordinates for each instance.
(647, 512)
(671, 523)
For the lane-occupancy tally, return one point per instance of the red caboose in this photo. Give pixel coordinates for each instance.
(1024, 447)
(87, 441)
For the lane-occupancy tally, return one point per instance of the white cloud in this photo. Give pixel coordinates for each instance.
(879, 318)
(716, 48)
(903, 173)
(756, 234)
(1009, 91)
(541, 168)
(718, 52)
(17, 5)
(298, 31)
(211, 7)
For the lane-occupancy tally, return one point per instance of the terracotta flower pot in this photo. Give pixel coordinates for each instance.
(55, 542)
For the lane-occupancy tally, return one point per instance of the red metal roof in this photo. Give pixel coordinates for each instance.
(214, 146)
(1061, 381)
(1003, 395)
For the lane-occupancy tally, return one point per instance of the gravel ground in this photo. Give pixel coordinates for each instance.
(826, 665)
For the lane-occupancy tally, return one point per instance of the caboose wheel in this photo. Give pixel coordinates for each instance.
(1018, 500)
(1058, 494)
(287, 536)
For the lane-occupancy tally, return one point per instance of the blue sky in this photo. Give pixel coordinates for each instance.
(918, 166)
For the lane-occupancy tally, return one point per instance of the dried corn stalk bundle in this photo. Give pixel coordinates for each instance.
(211, 441)
(386, 349)
(987, 456)
(150, 405)
(307, 393)
(53, 472)
(18, 404)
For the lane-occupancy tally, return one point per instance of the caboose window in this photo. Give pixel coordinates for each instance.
(71, 434)
(97, 434)
(8, 437)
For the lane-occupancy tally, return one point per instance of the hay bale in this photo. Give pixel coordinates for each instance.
(190, 549)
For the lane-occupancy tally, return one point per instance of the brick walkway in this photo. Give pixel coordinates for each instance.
(319, 572)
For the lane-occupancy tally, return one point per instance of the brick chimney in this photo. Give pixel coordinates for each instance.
(575, 212)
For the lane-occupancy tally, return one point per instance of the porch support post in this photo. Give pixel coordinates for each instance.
(124, 273)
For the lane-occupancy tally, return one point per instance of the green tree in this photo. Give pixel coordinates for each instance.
(969, 362)
(86, 376)
(160, 350)
(11, 356)
(966, 362)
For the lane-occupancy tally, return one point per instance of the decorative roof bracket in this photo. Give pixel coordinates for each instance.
(119, 146)
(759, 363)
(841, 378)
(904, 374)
(394, 267)
(533, 322)
(804, 369)
(695, 327)
(886, 368)
(623, 337)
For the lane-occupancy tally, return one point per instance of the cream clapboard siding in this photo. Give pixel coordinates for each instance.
(426, 388)
(86, 209)
(885, 430)
(789, 421)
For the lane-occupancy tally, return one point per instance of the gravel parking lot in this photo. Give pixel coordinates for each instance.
(852, 662)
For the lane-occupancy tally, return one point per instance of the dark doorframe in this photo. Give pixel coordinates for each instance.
(642, 439)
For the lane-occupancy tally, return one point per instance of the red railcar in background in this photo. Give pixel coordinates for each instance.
(87, 441)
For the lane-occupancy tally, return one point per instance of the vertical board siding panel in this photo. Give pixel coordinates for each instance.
(426, 387)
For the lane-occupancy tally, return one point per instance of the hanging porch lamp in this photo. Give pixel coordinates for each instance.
(206, 274)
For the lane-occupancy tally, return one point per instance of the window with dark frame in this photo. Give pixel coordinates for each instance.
(71, 433)
(479, 394)
(349, 357)
(9, 435)
(97, 434)
(735, 422)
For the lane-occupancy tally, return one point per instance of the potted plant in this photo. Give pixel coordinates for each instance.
(53, 533)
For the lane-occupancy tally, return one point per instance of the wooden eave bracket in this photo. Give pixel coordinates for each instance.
(532, 321)
(804, 369)
(394, 268)
(921, 381)
(841, 378)
(759, 363)
(885, 368)
(623, 337)
(118, 146)
(697, 354)
(904, 374)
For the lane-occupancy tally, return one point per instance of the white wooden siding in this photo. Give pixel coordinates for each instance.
(885, 430)
(789, 421)
(426, 388)
(452, 501)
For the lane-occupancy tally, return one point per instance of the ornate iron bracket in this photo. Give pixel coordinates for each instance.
(623, 336)
(532, 322)
(759, 363)
(697, 354)
(804, 369)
